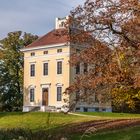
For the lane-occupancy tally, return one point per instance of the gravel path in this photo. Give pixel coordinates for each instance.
(82, 115)
(98, 125)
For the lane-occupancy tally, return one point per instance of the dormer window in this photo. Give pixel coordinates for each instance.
(45, 52)
(33, 54)
(59, 50)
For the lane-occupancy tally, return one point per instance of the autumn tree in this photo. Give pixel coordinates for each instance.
(112, 31)
(11, 69)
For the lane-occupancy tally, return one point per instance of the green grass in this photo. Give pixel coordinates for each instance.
(38, 123)
(111, 115)
(122, 134)
(37, 120)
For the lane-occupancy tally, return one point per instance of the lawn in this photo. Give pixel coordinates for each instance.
(44, 120)
(111, 115)
(37, 120)
(34, 124)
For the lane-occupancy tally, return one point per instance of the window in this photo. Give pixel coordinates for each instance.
(77, 68)
(32, 70)
(96, 109)
(32, 54)
(59, 67)
(96, 98)
(78, 109)
(32, 95)
(85, 109)
(77, 95)
(45, 69)
(59, 50)
(45, 52)
(59, 93)
(77, 51)
(85, 67)
(62, 24)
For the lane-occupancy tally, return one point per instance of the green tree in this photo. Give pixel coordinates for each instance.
(11, 69)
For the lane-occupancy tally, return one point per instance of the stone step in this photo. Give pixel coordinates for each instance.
(48, 108)
(35, 109)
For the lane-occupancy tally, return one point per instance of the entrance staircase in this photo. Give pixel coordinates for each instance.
(35, 109)
(48, 109)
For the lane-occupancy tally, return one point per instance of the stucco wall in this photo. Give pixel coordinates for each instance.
(51, 80)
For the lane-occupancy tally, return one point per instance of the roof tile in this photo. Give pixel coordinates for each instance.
(56, 36)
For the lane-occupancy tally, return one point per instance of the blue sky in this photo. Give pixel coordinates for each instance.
(33, 16)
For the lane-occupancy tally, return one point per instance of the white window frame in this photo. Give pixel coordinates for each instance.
(43, 68)
(59, 93)
(57, 67)
(31, 71)
(31, 101)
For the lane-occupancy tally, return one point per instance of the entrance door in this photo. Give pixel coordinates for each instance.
(45, 96)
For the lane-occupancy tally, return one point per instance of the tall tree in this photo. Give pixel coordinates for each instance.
(11, 69)
(116, 25)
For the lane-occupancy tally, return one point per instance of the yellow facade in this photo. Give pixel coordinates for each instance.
(50, 81)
